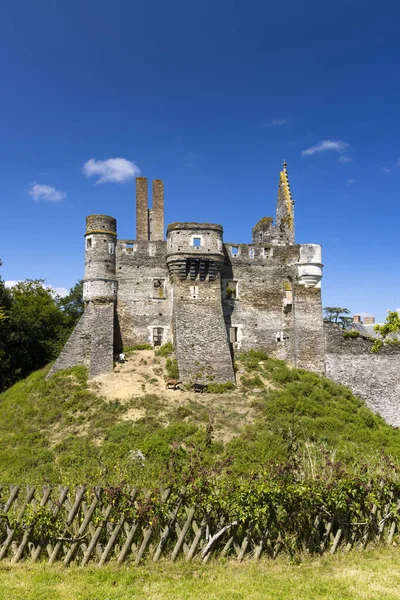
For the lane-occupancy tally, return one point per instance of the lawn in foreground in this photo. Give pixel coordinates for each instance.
(369, 575)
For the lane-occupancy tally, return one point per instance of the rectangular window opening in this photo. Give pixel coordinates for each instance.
(266, 252)
(251, 253)
(197, 242)
(88, 243)
(129, 248)
(159, 288)
(235, 250)
(157, 336)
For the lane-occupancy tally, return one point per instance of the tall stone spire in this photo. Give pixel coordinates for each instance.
(285, 207)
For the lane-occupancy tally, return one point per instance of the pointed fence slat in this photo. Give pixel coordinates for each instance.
(29, 496)
(188, 530)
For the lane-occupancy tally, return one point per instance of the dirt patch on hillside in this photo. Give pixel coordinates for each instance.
(140, 384)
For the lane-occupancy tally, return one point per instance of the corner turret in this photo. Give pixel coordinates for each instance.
(99, 282)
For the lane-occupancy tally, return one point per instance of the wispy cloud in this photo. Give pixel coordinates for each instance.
(398, 163)
(325, 146)
(278, 122)
(46, 193)
(343, 159)
(385, 170)
(350, 181)
(115, 170)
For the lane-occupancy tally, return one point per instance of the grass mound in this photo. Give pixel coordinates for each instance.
(58, 431)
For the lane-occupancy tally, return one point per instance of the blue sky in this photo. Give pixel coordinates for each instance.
(210, 97)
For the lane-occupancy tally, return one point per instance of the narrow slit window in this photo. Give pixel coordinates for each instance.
(88, 243)
(233, 335)
(251, 252)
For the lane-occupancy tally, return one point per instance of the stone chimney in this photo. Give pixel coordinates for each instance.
(357, 319)
(369, 320)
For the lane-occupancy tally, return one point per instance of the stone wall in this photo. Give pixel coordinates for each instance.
(374, 377)
(257, 309)
(200, 336)
(92, 341)
(102, 339)
(144, 291)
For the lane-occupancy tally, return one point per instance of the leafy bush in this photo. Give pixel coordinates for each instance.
(220, 388)
(252, 358)
(165, 350)
(172, 368)
(351, 334)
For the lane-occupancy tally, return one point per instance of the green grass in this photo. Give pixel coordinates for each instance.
(371, 575)
(58, 431)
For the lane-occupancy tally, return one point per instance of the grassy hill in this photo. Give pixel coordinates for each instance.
(126, 426)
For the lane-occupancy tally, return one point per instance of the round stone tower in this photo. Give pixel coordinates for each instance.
(99, 282)
(194, 250)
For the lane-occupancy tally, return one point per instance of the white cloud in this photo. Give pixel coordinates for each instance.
(344, 159)
(350, 181)
(278, 122)
(56, 291)
(325, 145)
(60, 291)
(46, 192)
(116, 170)
(10, 283)
(385, 170)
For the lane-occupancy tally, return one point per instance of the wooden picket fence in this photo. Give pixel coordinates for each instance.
(85, 526)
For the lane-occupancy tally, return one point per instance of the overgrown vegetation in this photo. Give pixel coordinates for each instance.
(137, 347)
(165, 350)
(172, 368)
(57, 430)
(351, 334)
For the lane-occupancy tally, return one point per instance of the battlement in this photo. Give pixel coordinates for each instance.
(206, 296)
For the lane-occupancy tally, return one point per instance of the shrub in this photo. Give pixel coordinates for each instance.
(220, 388)
(135, 347)
(165, 350)
(351, 334)
(172, 368)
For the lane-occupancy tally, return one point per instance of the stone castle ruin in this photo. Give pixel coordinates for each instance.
(204, 295)
(210, 297)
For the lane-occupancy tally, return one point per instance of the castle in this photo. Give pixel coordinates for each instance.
(204, 295)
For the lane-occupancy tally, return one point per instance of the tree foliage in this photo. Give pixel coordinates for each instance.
(389, 329)
(338, 315)
(34, 325)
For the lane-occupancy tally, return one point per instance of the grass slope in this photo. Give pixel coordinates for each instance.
(59, 431)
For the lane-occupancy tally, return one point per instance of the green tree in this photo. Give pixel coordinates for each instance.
(338, 315)
(37, 326)
(390, 326)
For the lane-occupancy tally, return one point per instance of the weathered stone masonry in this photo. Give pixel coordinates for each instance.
(206, 296)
